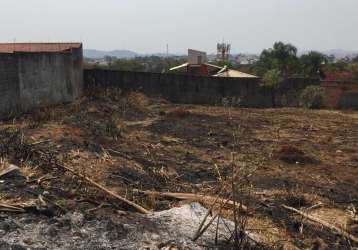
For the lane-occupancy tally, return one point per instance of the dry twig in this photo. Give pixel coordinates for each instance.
(195, 197)
(339, 231)
(109, 192)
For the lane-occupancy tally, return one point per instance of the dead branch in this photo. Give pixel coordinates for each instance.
(339, 231)
(195, 197)
(199, 231)
(40, 142)
(10, 208)
(9, 169)
(109, 192)
(118, 153)
(319, 204)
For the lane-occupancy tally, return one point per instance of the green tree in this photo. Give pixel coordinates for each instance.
(272, 79)
(355, 59)
(311, 63)
(282, 57)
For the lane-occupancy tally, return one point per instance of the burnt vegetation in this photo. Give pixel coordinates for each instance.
(132, 145)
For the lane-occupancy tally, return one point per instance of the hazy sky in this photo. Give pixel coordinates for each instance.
(148, 25)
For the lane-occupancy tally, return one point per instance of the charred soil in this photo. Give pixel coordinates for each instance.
(129, 142)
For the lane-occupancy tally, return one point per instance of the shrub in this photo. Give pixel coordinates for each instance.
(312, 97)
(272, 78)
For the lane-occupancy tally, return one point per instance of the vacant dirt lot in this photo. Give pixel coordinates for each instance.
(128, 142)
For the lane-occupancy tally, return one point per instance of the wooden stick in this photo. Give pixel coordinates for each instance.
(198, 197)
(7, 207)
(40, 142)
(109, 192)
(339, 231)
(9, 169)
(9, 210)
(319, 204)
(198, 231)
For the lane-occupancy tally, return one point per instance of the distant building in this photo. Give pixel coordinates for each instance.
(196, 57)
(197, 65)
(39, 74)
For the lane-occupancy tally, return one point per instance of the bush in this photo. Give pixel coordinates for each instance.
(272, 78)
(312, 97)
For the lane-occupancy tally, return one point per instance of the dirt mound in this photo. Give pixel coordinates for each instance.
(294, 155)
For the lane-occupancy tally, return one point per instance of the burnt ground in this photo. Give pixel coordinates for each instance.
(129, 142)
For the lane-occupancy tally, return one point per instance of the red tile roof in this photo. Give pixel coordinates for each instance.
(37, 47)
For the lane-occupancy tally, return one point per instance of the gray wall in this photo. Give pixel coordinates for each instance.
(9, 87)
(247, 92)
(31, 80)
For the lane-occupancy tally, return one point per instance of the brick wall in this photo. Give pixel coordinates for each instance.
(340, 94)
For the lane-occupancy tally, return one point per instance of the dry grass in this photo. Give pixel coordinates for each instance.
(188, 150)
(138, 101)
(178, 113)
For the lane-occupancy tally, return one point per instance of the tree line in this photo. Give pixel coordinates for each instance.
(279, 62)
(282, 61)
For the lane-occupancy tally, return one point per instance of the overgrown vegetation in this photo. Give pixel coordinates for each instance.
(312, 97)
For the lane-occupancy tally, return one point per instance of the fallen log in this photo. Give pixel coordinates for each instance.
(339, 231)
(107, 191)
(197, 197)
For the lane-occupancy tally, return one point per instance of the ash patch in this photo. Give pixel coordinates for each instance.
(158, 230)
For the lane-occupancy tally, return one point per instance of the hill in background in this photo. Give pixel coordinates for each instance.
(94, 54)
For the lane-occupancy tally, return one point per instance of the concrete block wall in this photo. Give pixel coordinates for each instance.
(248, 92)
(31, 80)
(289, 91)
(9, 88)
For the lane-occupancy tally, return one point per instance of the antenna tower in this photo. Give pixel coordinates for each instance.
(223, 52)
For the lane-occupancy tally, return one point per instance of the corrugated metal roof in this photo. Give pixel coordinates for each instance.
(234, 73)
(37, 47)
(179, 67)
